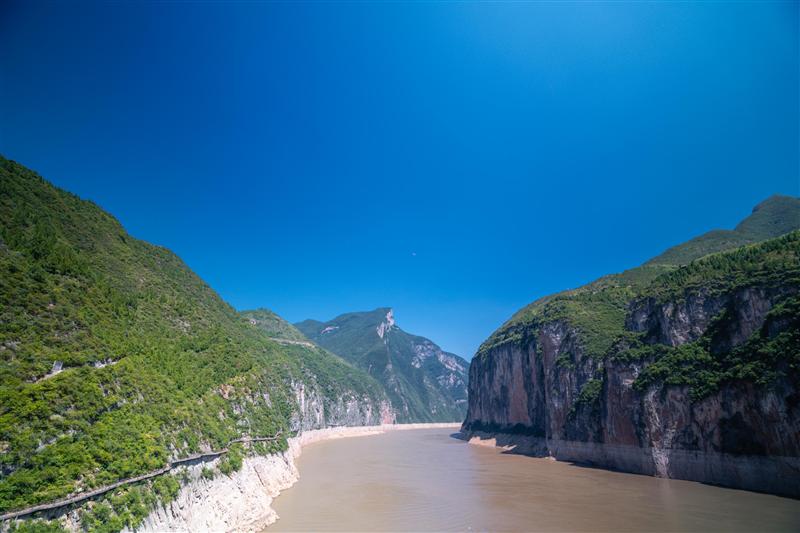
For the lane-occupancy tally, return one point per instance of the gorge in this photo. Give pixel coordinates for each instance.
(128, 380)
(118, 362)
(383, 266)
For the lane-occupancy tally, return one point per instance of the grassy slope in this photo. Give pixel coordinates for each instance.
(771, 218)
(273, 325)
(598, 309)
(189, 372)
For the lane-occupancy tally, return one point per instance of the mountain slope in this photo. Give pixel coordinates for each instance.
(599, 308)
(771, 218)
(115, 358)
(273, 326)
(423, 382)
(330, 378)
(679, 371)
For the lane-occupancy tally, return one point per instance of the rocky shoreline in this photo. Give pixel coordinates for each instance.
(769, 474)
(242, 501)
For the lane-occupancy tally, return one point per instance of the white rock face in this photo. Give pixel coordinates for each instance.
(239, 502)
(386, 325)
(242, 501)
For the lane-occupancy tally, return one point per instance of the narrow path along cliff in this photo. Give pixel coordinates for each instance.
(242, 501)
(72, 500)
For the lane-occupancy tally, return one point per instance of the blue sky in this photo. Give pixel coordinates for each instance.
(452, 160)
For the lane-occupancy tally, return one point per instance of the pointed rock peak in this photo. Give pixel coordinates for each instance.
(386, 324)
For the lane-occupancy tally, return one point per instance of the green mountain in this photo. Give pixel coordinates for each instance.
(424, 383)
(273, 326)
(116, 358)
(329, 378)
(598, 309)
(687, 366)
(771, 218)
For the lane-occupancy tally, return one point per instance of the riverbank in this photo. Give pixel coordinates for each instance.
(768, 474)
(427, 480)
(242, 501)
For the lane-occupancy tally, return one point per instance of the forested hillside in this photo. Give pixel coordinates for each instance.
(115, 357)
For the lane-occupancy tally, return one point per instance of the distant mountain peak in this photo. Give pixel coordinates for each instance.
(775, 200)
(424, 382)
(386, 325)
(770, 218)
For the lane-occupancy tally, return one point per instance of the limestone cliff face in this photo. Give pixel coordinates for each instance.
(541, 392)
(530, 388)
(676, 322)
(242, 500)
(314, 411)
(741, 418)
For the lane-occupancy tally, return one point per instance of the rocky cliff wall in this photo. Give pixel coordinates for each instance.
(544, 396)
(241, 501)
(314, 411)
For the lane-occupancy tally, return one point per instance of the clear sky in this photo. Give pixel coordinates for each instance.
(454, 161)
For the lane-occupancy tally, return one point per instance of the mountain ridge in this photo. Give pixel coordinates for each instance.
(424, 383)
(772, 217)
(767, 219)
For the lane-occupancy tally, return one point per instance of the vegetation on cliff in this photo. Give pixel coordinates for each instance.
(115, 357)
(598, 309)
(273, 325)
(771, 218)
(771, 352)
(597, 312)
(331, 372)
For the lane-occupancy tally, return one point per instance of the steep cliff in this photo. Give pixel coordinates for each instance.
(116, 359)
(678, 371)
(424, 383)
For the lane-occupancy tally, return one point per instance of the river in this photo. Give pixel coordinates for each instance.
(426, 480)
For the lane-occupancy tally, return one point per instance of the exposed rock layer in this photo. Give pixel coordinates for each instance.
(242, 501)
(527, 393)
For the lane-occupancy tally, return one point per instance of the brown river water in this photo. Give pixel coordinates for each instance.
(426, 480)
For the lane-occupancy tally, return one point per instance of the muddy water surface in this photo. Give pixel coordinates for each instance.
(425, 480)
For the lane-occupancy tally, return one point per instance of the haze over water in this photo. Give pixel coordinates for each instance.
(424, 480)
